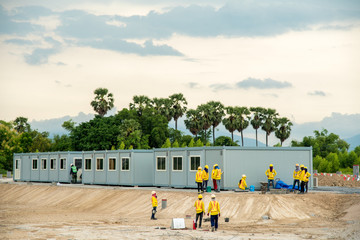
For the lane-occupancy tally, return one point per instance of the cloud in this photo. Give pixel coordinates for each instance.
(40, 56)
(267, 83)
(193, 85)
(317, 93)
(219, 87)
(19, 41)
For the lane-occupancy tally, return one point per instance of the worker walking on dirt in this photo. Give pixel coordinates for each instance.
(218, 173)
(73, 173)
(306, 179)
(199, 180)
(213, 177)
(154, 205)
(200, 210)
(271, 173)
(214, 210)
(296, 176)
(205, 176)
(242, 182)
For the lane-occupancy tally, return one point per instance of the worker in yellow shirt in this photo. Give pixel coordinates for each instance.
(296, 176)
(205, 176)
(213, 176)
(200, 210)
(154, 204)
(270, 173)
(214, 210)
(199, 180)
(306, 179)
(242, 182)
(217, 174)
(302, 174)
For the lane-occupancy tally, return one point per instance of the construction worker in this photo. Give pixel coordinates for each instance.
(296, 176)
(270, 173)
(198, 180)
(306, 179)
(200, 210)
(213, 176)
(214, 210)
(218, 177)
(302, 174)
(154, 205)
(205, 176)
(73, 173)
(242, 182)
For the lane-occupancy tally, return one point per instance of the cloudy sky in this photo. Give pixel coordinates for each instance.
(300, 57)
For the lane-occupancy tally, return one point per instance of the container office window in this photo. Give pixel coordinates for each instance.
(87, 163)
(43, 164)
(52, 163)
(194, 163)
(99, 164)
(125, 164)
(17, 164)
(112, 164)
(63, 163)
(161, 163)
(177, 164)
(34, 164)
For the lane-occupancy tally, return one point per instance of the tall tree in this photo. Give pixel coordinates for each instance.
(21, 125)
(270, 121)
(178, 106)
(284, 129)
(103, 101)
(257, 119)
(140, 103)
(230, 122)
(217, 112)
(204, 113)
(243, 116)
(193, 122)
(163, 107)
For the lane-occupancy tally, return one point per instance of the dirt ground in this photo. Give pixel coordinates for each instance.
(45, 211)
(340, 180)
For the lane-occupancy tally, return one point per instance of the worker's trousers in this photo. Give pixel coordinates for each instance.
(269, 181)
(214, 221)
(296, 181)
(306, 186)
(302, 187)
(218, 185)
(199, 215)
(205, 182)
(214, 184)
(153, 213)
(199, 184)
(74, 178)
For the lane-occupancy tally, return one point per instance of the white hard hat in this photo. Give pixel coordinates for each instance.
(212, 195)
(243, 175)
(153, 192)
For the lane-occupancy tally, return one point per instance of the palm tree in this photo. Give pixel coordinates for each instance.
(178, 106)
(103, 102)
(192, 122)
(140, 103)
(21, 125)
(284, 129)
(270, 122)
(243, 116)
(217, 113)
(257, 119)
(204, 112)
(163, 106)
(230, 122)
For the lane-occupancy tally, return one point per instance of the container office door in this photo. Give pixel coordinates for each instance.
(78, 164)
(17, 174)
(215, 157)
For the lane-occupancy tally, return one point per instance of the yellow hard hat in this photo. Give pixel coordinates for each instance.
(212, 195)
(244, 175)
(297, 164)
(200, 196)
(206, 166)
(271, 165)
(216, 165)
(301, 165)
(199, 168)
(305, 167)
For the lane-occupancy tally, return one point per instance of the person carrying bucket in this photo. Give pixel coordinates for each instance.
(296, 176)
(242, 182)
(154, 205)
(270, 173)
(200, 210)
(199, 180)
(205, 176)
(214, 210)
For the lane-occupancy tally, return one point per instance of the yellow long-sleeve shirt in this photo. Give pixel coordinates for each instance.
(205, 175)
(243, 184)
(198, 176)
(154, 201)
(270, 174)
(214, 208)
(199, 206)
(297, 174)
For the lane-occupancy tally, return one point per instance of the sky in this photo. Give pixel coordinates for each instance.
(301, 58)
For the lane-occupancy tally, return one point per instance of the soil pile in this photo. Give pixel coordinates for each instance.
(337, 180)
